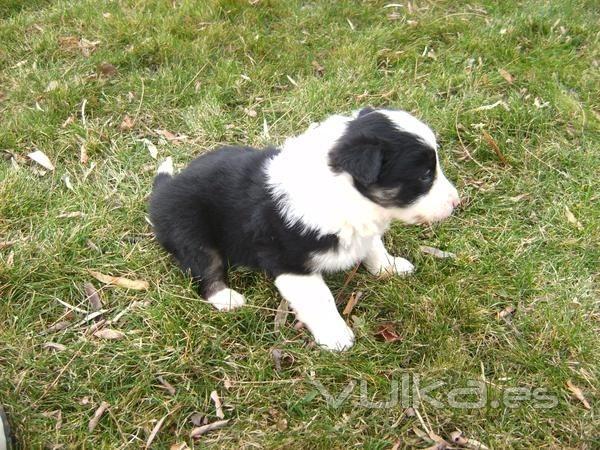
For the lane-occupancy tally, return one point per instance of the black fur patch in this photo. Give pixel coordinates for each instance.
(381, 158)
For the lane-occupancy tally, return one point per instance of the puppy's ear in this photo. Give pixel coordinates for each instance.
(365, 110)
(362, 160)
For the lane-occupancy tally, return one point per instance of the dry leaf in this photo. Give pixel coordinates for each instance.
(492, 143)
(572, 219)
(436, 252)
(167, 135)
(250, 112)
(54, 346)
(92, 296)
(70, 215)
(6, 244)
(507, 76)
(58, 326)
(68, 42)
(281, 314)
(179, 446)
(539, 103)
(97, 415)
(84, 401)
(198, 419)
(107, 69)
(518, 198)
(10, 259)
(281, 359)
(52, 86)
(56, 415)
(506, 312)
(126, 124)
(67, 180)
(457, 438)
(107, 333)
(155, 431)
(492, 106)
(218, 406)
(387, 332)
(151, 148)
(352, 301)
(319, 69)
(83, 155)
(40, 157)
(578, 393)
(138, 285)
(166, 385)
(199, 431)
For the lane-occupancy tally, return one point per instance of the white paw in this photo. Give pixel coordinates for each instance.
(335, 336)
(402, 266)
(227, 299)
(393, 266)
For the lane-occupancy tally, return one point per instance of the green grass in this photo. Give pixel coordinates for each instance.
(192, 68)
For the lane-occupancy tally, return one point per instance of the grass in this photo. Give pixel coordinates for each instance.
(197, 69)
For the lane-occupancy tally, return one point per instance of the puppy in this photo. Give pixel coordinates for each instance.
(320, 203)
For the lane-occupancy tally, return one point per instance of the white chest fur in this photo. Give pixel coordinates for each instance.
(347, 254)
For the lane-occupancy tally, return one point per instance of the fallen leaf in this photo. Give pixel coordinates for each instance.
(506, 75)
(107, 70)
(52, 86)
(227, 383)
(281, 314)
(492, 106)
(107, 333)
(155, 431)
(84, 401)
(199, 431)
(58, 326)
(97, 415)
(281, 360)
(578, 393)
(67, 180)
(92, 296)
(68, 42)
(10, 259)
(166, 385)
(492, 143)
(387, 332)
(291, 80)
(352, 301)
(436, 252)
(539, 103)
(126, 124)
(70, 215)
(138, 285)
(250, 112)
(518, 198)
(56, 415)
(218, 406)
(179, 446)
(151, 148)
(506, 312)
(54, 346)
(6, 244)
(319, 69)
(198, 419)
(572, 219)
(83, 155)
(167, 135)
(40, 157)
(457, 438)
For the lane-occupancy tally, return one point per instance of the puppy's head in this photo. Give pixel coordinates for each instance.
(392, 158)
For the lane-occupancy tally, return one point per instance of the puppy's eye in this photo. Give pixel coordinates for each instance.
(427, 176)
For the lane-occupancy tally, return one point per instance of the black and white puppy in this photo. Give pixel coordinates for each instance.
(320, 203)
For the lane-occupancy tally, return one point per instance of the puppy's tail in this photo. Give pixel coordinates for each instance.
(164, 172)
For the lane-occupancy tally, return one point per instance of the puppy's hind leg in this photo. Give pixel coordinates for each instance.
(208, 273)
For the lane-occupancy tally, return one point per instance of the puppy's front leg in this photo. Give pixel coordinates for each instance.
(380, 262)
(310, 297)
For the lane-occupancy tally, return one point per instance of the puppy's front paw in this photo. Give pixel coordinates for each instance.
(335, 337)
(401, 266)
(394, 265)
(227, 299)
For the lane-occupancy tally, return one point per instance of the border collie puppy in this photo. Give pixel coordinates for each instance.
(320, 203)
